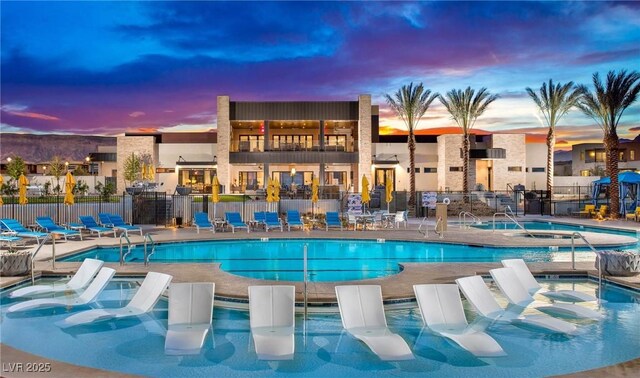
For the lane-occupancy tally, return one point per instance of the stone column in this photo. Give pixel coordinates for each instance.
(321, 174)
(364, 139)
(267, 145)
(224, 141)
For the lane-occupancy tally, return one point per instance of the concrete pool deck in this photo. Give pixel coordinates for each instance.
(399, 286)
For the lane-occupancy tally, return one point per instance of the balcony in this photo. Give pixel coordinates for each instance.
(310, 156)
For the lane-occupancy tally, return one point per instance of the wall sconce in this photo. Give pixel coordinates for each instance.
(293, 171)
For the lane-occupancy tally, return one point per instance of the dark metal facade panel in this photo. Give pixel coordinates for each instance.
(293, 157)
(295, 110)
(103, 156)
(488, 153)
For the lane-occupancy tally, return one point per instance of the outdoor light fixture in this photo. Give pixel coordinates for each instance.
(293, 171)
(9, 159)
(180, 158)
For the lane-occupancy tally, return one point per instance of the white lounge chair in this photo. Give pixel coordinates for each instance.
(478, 294)
(88, 296)
(80, 280)
(517, 295)
(362, 314)
(272, 319)
(529, 282)
(442, 311)
(142, 302)
(190, 312)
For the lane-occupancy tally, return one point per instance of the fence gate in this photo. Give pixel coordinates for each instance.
(537, 202)
(152, 208)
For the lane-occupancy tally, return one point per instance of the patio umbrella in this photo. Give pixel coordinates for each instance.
(68, 189)
(269, 190)
(276, 190)
(1, 183)
(365, 190)
(151, 173)
(215, 193)
(22, 185)
(314, 192)
(144, 171)
(388, 190)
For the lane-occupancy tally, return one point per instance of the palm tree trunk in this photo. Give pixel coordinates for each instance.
(551, 142)
(611, 144)
(466, 145)
(412, 174)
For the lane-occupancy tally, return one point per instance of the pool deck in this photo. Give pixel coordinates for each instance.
(396, 287)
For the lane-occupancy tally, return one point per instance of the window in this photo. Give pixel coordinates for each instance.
(253, 143)
(251, 180)
(597, 156)
(538, 169)
(292, 142)
(384, 175)
(429, 170)
(582, 155)
(585, 172)
(632, 154)
(514, 169)
(621, 156)
(335, 142)
(455, 169)
(417, 170)
(199, 180)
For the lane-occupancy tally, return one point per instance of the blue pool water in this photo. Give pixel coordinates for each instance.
(329, 259)
(136, 345)
(539, 225)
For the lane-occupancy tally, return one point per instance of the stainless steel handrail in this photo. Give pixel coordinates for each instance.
(35, 252)
(426, 230)
(147, 256)
(304, 273)
(462, 218)
(513, 220)
(438, 223)
(573, 247)
(129, 247)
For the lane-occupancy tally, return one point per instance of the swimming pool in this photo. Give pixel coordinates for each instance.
(552, 226)
(136, 346)
(329, 259)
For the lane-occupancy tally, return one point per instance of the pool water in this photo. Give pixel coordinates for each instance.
(551, 226)
(328, 259)
(136, 345)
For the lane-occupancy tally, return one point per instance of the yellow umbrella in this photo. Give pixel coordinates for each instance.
(1, 183)
(276, 190)
(144, 171)
(215, 190)
(365, 190)
(151, 173)
(388, 190)
(68, 189)
(314, 190)
(269, 190)
(22, 185)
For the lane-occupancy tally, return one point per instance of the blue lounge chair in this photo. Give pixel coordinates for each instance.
(10, 241)
(16, 227)
(201, 221)
(93, 227)
(333, 220)
(105, 220)
(119, 224)
(235, 221)
(259, 218)
(272, 220)
(293, 220)
(51, 227)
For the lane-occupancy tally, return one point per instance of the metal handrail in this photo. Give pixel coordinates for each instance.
(426, 230)
(573, 247)
(35, 252)
(147, 257)
(462, 218)
(129, 246)
(441, 233)
(305, 278)
(513, 220)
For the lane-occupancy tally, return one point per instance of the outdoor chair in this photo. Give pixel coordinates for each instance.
(13, 226)
(352, 220)
(602, 212)
(259, 218)
(332, 219)
(105, 220)
(119, 224)
(272, 321)
(235, 221)
(80, 280)
(47, 224)
(272, 220)
(588, 211)
(201, 221)
(293, 220)
(190, 313)
(634, 216)
(93, 227)
(401, 217)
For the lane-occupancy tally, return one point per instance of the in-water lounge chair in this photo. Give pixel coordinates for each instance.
(362, 314)
(480, 297)
(442, 311)
(332, 219)
(201, 221)
(517, 295)
(18, 229)
(119, 224)
(190, 313)
(86, 297)
(272, 320)
(529, 282)
(142, 302)
(93, 227)
(79, 281)
(293, 220)
(272, 220)
(47, 224)
(235, 221)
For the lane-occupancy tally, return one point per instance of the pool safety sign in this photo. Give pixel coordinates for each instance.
(429, 200)
(354, 203)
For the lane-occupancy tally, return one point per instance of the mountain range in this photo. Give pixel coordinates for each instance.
(39, 148)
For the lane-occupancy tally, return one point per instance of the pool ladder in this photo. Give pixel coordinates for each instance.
(130, 246)
(148, 240)
(423, 229)
(35, 252)
(462, 218)
(506, 215)
(573, 259)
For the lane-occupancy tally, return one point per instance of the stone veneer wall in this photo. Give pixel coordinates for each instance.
(516, 156)
(224, 141)
(449, 147)
(137, 145)
(364, 141)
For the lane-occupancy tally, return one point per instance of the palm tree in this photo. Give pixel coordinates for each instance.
(606, 105)
(465, 107)
(410, 103)
(554, 102)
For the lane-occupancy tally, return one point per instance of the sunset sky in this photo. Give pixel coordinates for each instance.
(107, 67)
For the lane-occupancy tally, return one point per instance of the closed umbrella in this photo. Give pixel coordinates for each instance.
(276, 190)
(269, 190)
(144, 172)
(314, 192)
(151, 173)
(215, 193)
(1, 183)
(388, 190)
(22, 186)
(68, 189)
(365, 190)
